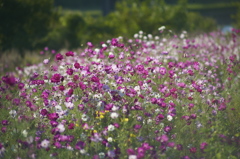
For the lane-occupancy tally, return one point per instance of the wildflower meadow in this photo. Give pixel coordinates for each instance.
(149, 97)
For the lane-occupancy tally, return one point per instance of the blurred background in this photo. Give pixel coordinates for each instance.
(29, 26)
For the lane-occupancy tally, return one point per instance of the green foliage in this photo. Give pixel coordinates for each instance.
(24, 23)
(129, 17)
(75, 29)
(236, 17)
(35, 24)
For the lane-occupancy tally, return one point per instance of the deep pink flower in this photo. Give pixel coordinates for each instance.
(80, 145)
(190, 105)
(21, 85)
(53, 116)
(140, 68)
(140, 83)
(95, 79)
(203, 145)
(171, 73)
(146, 146)
(141, 150)
(4, 129)
(232, 58)
(116, 125)
(75, 77)
(131, 151)
(70, 92)
(137, 127)
(164, 138)
(186, 117)
(56, 78)
(69, 71)
(193, 116)
(71, 126)
(167, 129)
(162, 71)
(28, 103)
(69, 53)
(57, 145)
(181, 84)
(54, 123)
(111, 56)
(171, 64)
(16, 101)
(44, 112)
(81, 107)
(77, 65)
(190, 72)
(222, 106)
(5, 122)
(109, 106)
(61, 88)
(90, 45)
(181, 65)
(153, 100)
(171, 144)
(193, 149)
(179, 147)
(59, 56)
(159, 117)
(10, 80)
(120, 45)
(114, 42)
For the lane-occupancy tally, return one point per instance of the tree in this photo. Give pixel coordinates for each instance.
(24, 23)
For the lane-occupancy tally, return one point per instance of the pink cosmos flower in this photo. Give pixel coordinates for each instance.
(193, 149)
(59, 56)
(56, 78)
(162, 70)
(53, 116)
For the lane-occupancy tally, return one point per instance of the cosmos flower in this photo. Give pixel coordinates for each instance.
(111, 127)
(45, 143)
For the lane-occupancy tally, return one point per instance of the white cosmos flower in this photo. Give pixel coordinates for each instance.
(58, 108)
(45, 143)
(161, 125)
(111, 153)
(110, 139)
(135, 36)
(101, 154)
(132, 157)
(104, 45)
(82, 151)
(157, 110)
(13, 113)
(85, 117)
(30, 139)
(114, 115)
(169, 118)
(69, 148)
(24, 133)
(111, 127)
(115, 108)
(61, 128)
(161, 28)
(69, 105)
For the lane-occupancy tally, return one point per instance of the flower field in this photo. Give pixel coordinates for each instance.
(152, 96)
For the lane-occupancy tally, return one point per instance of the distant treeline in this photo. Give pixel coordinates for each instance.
(98, 4)
(31, 25)
(202, 1)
